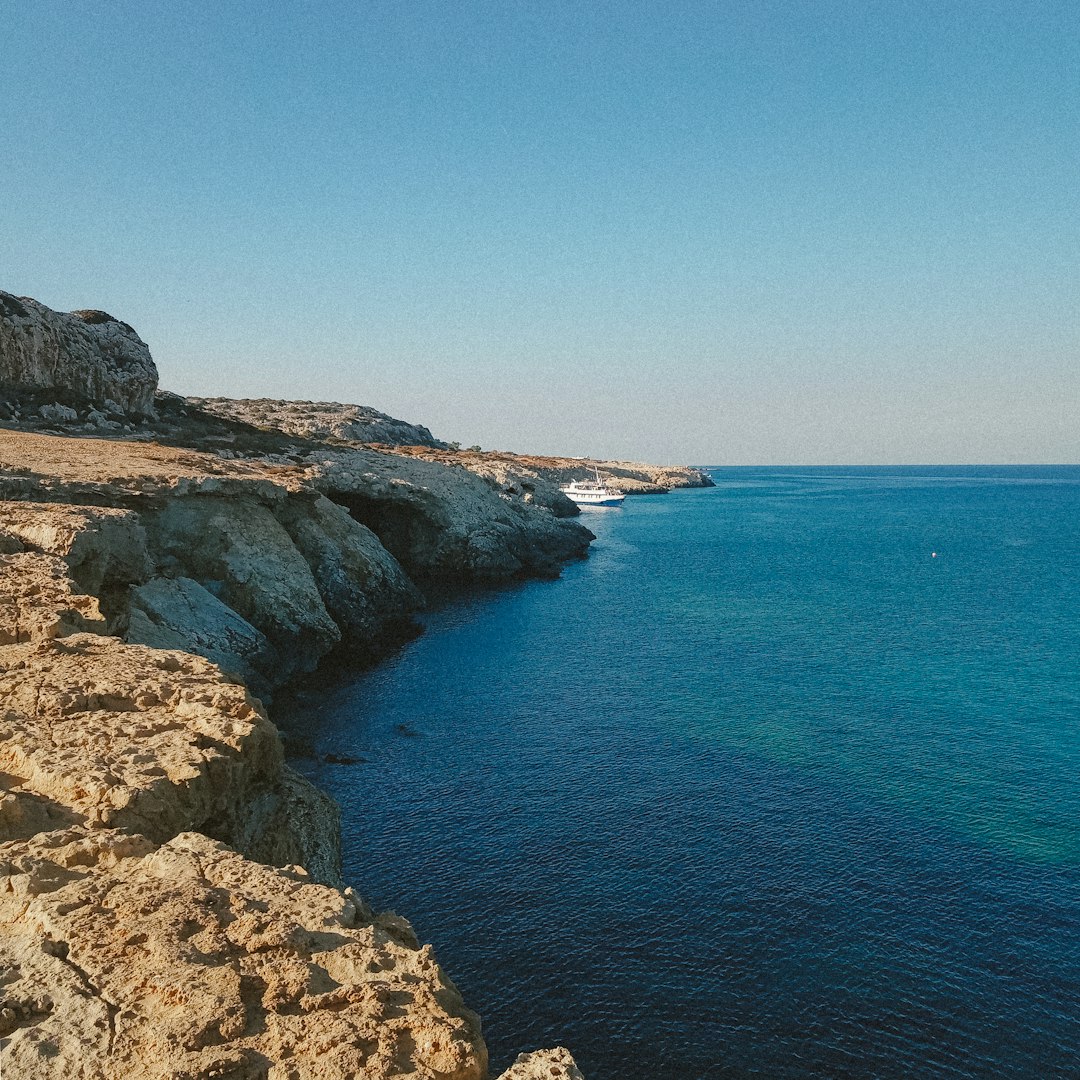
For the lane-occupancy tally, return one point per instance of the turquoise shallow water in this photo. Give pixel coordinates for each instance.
(760, 789)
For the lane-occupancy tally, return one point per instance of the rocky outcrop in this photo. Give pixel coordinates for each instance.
(303, 571)
(523, 470)
(124, 958)
(362, 585)
(87, 353)
(239, 551)
(557, 1064)
(321, 420)
(448, 522)
(132, 942)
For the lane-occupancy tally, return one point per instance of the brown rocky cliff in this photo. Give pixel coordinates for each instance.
(134, 943)
(170, 901)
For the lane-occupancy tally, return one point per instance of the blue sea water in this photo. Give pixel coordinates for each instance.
(763, 788)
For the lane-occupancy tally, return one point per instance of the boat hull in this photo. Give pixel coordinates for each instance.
(594, 500)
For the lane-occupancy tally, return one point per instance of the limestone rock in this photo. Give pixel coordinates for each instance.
(187, 960)
(106, 734)
(125, 959)
(107, 472)
(87, 352)
(238, 550)
(320, 420)
(447, 522)
(557, 1064)
(38, 601)
(178, 613)
(129, 737)
(104, 547)
(360, 582)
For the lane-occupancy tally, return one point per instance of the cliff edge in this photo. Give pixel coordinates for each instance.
(170, 894)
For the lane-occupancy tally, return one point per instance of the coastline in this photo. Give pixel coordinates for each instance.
(149, 592)
(170, 889)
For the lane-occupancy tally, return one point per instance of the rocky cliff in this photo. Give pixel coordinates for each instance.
(170, 893)
(89, 354)
(320, 420)
(154, 916)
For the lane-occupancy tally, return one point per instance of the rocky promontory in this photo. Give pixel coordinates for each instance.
(169, 888)
(322, 420)
(170, 893)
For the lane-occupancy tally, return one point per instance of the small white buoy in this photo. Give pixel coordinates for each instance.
(933, 554)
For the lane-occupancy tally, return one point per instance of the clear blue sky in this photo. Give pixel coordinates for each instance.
(712, 232)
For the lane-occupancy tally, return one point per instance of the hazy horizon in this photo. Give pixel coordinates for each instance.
(722, 234)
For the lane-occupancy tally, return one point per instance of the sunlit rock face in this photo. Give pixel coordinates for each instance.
(124, 958)
(87, 353)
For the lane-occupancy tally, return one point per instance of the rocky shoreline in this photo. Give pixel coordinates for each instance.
(170, 890)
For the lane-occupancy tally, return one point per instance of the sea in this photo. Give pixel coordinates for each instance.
(783, 781)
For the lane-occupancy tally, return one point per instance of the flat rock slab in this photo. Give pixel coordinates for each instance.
(67, 464)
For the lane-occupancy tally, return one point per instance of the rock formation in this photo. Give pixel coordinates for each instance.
(133, 942)
(546, 474)
(102, 733)
(128, 959)
(321, 420)
(448, 522)
(554, 1064)
(87, 353)
(39, 601)
(170, 894)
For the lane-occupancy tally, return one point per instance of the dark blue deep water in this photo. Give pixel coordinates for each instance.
(760, 789)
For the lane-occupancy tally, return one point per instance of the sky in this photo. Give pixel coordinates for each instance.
(746, 233)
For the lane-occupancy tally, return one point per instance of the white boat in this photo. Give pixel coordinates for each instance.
(592, 493)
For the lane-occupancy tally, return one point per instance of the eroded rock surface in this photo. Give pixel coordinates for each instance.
(320, 420)
(115, 735)
(39, 601)
(186, 960)
(448, 522)
(125, 736)
(130, 946)
(556, 1064)
(87, 352)
(104, 548)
